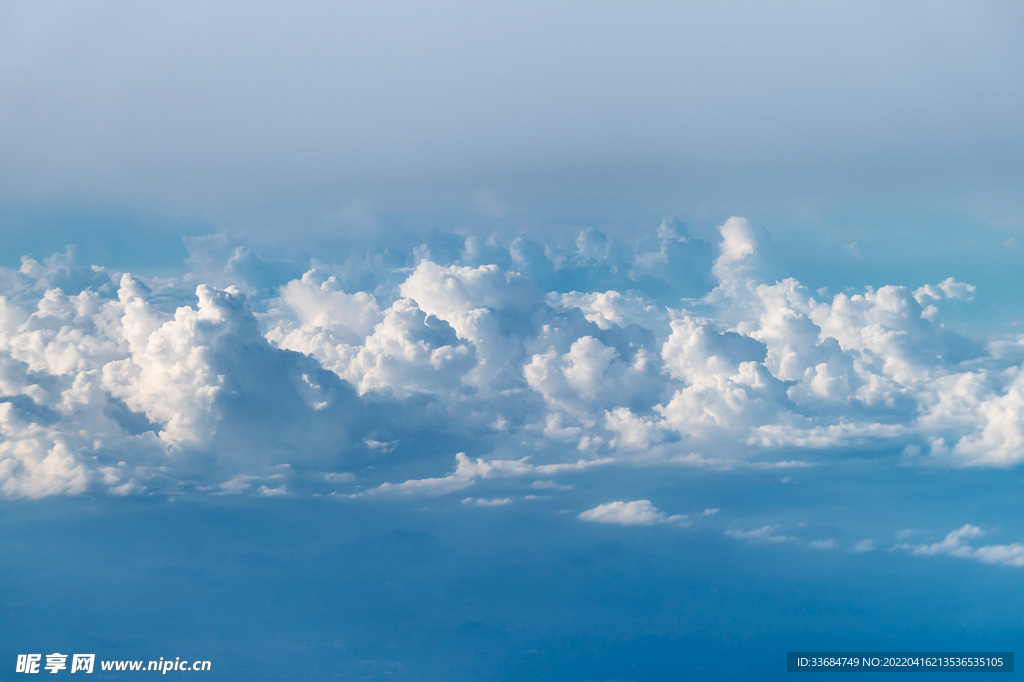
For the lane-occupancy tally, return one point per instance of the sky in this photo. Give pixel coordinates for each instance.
(561, 341)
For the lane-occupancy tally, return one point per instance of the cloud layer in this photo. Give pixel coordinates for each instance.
(536, 358)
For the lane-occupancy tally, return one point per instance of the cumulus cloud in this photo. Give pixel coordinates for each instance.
(635, 513)
(954, 544)
(533, 356)
(169, 374)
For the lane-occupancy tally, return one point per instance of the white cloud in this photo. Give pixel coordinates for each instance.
(570, 355)
(818, 437)
(762, 534)
(475, 302)
(423, 486)
(468, 472)
(635, 513)
(37, 467)
(948, 288)
(591, 376)
(954, 545)
(492, 502)
(238, 483)
(549, 485)
(318, 302)
(608, 309)
(773, 367)
(739, 257)
(169, 374)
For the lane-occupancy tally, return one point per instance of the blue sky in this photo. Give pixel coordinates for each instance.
(573, 341)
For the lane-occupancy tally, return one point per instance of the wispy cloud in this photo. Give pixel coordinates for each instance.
(955, 544)
(468, 472)
(491, 502)
(762, 534)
